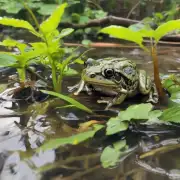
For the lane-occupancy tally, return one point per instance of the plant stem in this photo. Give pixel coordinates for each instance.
(54, 77)
(22, 74)
(32, 15)
(156, 72)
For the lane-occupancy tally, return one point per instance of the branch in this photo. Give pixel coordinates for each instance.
(108, 20)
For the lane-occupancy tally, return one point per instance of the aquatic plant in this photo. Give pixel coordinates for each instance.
(48, 50)
(137, 34)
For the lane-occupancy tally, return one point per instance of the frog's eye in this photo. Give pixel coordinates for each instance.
(129, 70)
(108, 72)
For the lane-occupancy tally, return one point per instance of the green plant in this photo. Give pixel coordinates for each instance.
(137, 36)
(48, 50)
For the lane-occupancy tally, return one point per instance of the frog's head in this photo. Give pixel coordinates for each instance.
(115, 72)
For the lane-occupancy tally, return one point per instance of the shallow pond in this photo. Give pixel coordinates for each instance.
(24, 127)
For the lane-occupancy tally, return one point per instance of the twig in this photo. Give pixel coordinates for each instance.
(108, 20)
(133, 8)
(78, 175)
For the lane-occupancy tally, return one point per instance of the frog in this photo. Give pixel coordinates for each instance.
(117, 78)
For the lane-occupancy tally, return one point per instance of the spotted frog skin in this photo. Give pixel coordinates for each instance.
(117, 78)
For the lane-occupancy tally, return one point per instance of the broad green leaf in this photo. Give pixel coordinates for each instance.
(147, 33)
(154, 118)
(47, 9)
(18, 24)
(79, 61)
(123, 33)
(144, 29)
(171, 114)
(12, 7)
(65, 32)
(166, 28)
(175, 97)
(172, 84)
(53, 21)
(68, 99)
(14, 43)
(138, 112)
(115, 126)
(75, 139)
(7, 60)
(70, 72)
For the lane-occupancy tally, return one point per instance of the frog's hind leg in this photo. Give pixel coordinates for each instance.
(145, 82)
(147, 87)
(110, 102)
(153, 95)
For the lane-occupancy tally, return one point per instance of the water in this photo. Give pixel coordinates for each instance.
(25, 127)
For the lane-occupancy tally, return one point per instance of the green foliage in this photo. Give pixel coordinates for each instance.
(171, 114)
(75, 139)
(53, 21)
(47, 51)
(68, 99)
(114, 125)
(137, 34)
(112, 154)
(7, 60)
(172, 85)
(123, 33)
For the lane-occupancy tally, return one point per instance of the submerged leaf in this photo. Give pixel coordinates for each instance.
(53, 21)
(112, 155)
(68, 99)
(75, 139)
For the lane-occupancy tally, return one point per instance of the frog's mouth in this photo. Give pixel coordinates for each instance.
(100, 82)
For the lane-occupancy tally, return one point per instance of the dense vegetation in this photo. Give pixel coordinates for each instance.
(47, 21)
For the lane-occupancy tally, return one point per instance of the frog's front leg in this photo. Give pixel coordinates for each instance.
(112, 101)
(146, 86)
(80, 87)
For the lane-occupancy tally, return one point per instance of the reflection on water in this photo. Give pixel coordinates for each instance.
(22, 132)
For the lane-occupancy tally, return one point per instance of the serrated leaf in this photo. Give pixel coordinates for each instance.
(53, 21)
(75, 139)
(7, 60)
(166, 28)
(171, 114)
(123, 33)
(18, 24)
